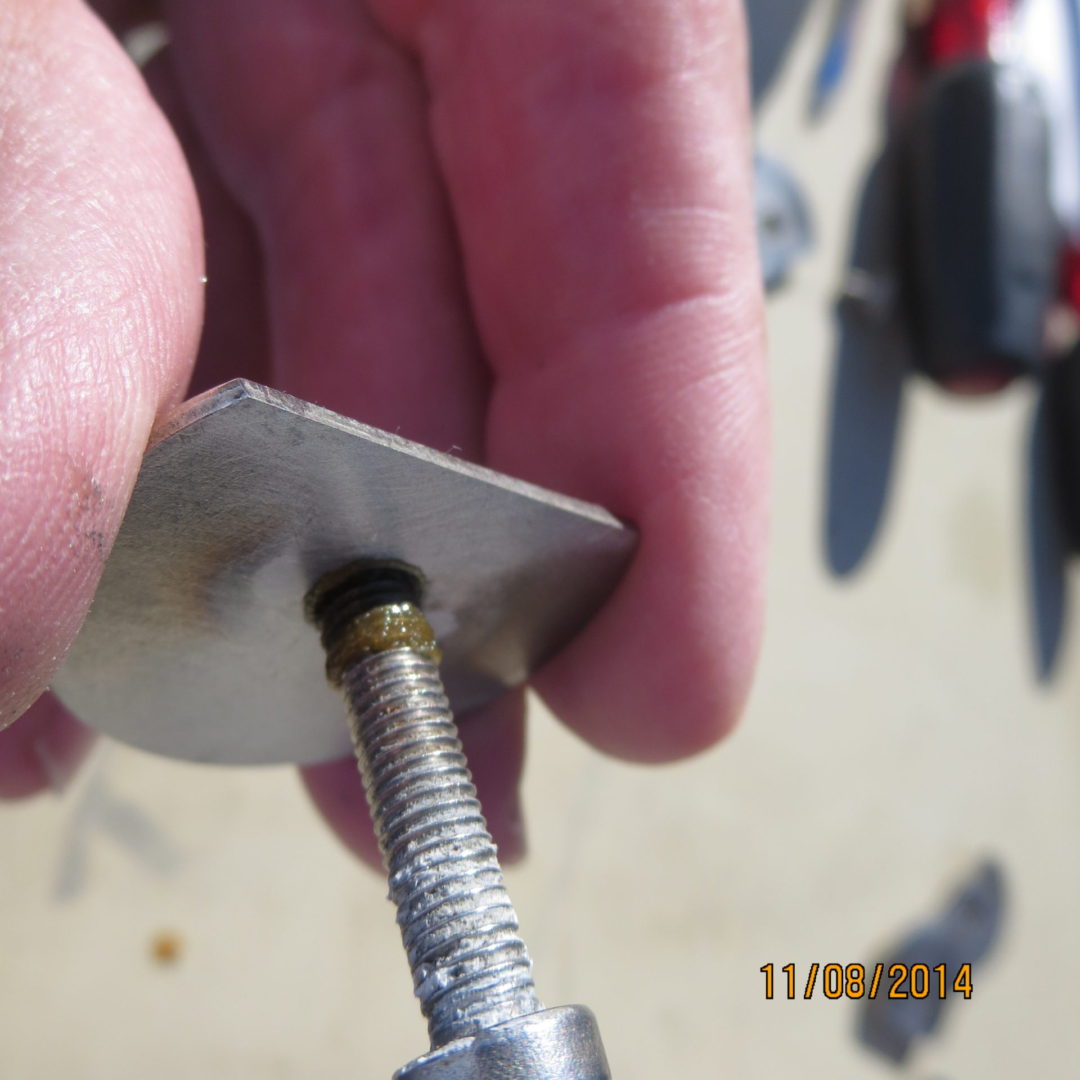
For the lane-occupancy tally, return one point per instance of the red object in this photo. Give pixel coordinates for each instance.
(952, 32)
(963, 29)
(1070, 276)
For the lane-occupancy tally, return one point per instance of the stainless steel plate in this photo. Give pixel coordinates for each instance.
(196, 645)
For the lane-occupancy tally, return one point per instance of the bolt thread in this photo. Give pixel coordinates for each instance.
(470, 967)
(339, 598)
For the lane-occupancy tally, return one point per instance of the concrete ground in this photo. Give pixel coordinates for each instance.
(917, 713)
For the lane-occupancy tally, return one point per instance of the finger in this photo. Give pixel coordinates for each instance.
(43, 751)
(596, 156)
(100, 266)
(235, 340)
(319, 125)
(494, 743)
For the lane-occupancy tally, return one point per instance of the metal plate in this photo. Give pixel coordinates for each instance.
(196, 645)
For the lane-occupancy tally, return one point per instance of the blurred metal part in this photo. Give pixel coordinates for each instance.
(783, 220)
(869, 294)
(196, 645)
(555, 1044)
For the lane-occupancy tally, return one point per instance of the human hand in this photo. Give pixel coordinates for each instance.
(521, 230)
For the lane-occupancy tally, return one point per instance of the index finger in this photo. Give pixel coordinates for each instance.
(100, 265)
(596, 156)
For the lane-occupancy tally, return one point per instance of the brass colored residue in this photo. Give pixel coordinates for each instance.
(166, 948)
(379, 629)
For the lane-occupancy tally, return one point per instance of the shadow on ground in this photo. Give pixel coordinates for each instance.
(773, 25)
(1046, 548)
(868, 381)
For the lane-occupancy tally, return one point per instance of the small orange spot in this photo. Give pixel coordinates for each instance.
(166, 948)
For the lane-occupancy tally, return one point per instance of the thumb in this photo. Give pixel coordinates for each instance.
(100, 305)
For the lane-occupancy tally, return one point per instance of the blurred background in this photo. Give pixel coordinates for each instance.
(906, 783)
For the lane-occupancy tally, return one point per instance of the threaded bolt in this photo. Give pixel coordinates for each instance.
(470, 968)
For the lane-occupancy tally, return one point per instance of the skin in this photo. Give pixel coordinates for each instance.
(522, 230)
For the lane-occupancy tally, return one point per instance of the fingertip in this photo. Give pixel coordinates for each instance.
(100, 285)
(664, 670)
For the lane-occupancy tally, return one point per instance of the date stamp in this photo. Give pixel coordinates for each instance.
(857, 981)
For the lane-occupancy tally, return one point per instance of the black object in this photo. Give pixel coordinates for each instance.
(978, 241)
(1062, 403)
